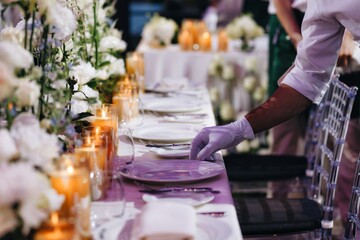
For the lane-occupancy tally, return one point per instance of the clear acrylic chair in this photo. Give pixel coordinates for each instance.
(314, 215)
(353, 222)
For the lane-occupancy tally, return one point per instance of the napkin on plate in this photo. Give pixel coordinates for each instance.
(164, 221)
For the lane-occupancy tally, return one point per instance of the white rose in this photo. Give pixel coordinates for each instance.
(8, 150)
(15, 56)
(227, 111)
(7, 81)
(214, 94)
(255, 143)
(259, 94)
(111, 43)
(83, 73)
(243, 146)
(11, 34)
(249, 83)
(27, 93)
(8, 220)
(250, 64)
(228, 72)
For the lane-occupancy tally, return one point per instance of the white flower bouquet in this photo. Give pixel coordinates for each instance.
(159, 31)
(244, 28)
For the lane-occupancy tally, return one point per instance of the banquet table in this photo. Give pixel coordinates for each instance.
(173, 64)
(225, 227)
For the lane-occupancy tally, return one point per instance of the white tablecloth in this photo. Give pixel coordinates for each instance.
(172, 63)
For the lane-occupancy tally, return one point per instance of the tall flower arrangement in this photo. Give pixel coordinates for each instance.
(57, 60)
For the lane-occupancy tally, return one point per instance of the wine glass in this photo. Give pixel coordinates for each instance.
(108, 197)
(125, 153)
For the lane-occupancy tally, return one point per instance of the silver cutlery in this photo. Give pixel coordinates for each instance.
(179, 189)
(213, 214)
(168, 145)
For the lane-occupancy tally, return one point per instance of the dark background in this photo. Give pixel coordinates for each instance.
(133, 14)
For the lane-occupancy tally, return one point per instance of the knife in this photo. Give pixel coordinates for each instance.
(189, 189)
(168, 145)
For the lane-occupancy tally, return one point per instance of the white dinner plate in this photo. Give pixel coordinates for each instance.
(172, 170)
(190, 198)
(173, 105)
(167, 132)
(207, 228)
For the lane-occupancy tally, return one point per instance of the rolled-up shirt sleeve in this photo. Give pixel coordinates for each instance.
(317, 52)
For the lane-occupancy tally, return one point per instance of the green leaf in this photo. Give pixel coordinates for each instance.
(81, 116)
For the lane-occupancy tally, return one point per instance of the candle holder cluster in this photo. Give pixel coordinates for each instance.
(195, 36)
(126, 98)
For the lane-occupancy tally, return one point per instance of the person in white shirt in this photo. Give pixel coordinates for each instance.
(303, 84)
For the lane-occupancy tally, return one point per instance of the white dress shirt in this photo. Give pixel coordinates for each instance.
(322, 30)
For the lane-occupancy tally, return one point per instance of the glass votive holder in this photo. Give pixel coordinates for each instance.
(103, 136)
(129, 108)
(205, 41)
(223, 40)
(72, 220)
(91, 153)
(185, 40)
(135, 66)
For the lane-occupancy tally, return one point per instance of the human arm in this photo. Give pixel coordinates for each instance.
(285, 14)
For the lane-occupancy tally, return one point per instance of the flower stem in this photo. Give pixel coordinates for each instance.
(95, 36)
(43, 76)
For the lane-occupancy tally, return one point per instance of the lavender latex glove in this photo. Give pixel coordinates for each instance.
(212, 139)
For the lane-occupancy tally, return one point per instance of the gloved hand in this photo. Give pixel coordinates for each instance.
(212, 139)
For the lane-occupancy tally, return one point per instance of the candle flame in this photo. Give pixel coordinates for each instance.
(103, 113)
(70, 169)
(54, 218)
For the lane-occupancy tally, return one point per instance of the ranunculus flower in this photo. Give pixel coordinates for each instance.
(27, 94)
(8, 148)
(15, 56)
(20, 183)
(83, 73)
(35, 145)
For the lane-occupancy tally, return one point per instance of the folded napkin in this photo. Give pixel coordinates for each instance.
(164, 221)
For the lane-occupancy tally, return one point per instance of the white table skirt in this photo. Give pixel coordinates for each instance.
(172, 63)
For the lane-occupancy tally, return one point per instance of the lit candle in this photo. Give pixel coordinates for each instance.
(72, 220)
(205, 42)
(222, 40)
(185, 41)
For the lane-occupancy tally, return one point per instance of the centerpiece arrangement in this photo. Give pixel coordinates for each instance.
(58, 60)
(245, 29)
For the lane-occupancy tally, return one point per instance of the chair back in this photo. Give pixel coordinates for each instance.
(337, 106)
(353, 222)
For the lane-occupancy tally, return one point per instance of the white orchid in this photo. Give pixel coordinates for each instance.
(111, 43)
(83, 73)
